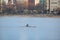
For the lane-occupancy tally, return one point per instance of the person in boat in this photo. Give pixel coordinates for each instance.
(27, 25)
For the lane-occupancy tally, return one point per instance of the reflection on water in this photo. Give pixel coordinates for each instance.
(46, 28)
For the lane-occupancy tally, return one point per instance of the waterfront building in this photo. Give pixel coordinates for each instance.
(43, 4)
(10, 2)
(31, 4)
(20, 4)
(53, 4)
(3, 5)
(47, 4)
(14, 2)
(0, 5)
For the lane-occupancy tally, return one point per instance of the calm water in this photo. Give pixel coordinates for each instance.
(46, 28)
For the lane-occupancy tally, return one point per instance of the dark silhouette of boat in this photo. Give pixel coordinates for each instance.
(27, 25)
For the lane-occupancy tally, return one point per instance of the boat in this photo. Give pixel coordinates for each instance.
(28, 26)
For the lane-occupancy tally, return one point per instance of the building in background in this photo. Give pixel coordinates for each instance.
(10, 2)
(48, 4)
(14, 2)
(20, 4)
(0, 5)
(3, 5)
(26, 4)
(53, 4)
(31, 4)
(59, 3)
(43, 4)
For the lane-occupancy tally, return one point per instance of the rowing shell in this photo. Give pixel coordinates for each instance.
(29, 26)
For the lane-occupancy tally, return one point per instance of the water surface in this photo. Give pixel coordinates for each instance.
(46, 28)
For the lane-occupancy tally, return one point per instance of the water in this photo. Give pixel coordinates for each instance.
(46, 28)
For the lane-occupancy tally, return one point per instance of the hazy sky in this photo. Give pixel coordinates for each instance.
(36, 1)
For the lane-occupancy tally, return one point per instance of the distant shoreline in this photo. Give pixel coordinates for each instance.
(30, 16)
